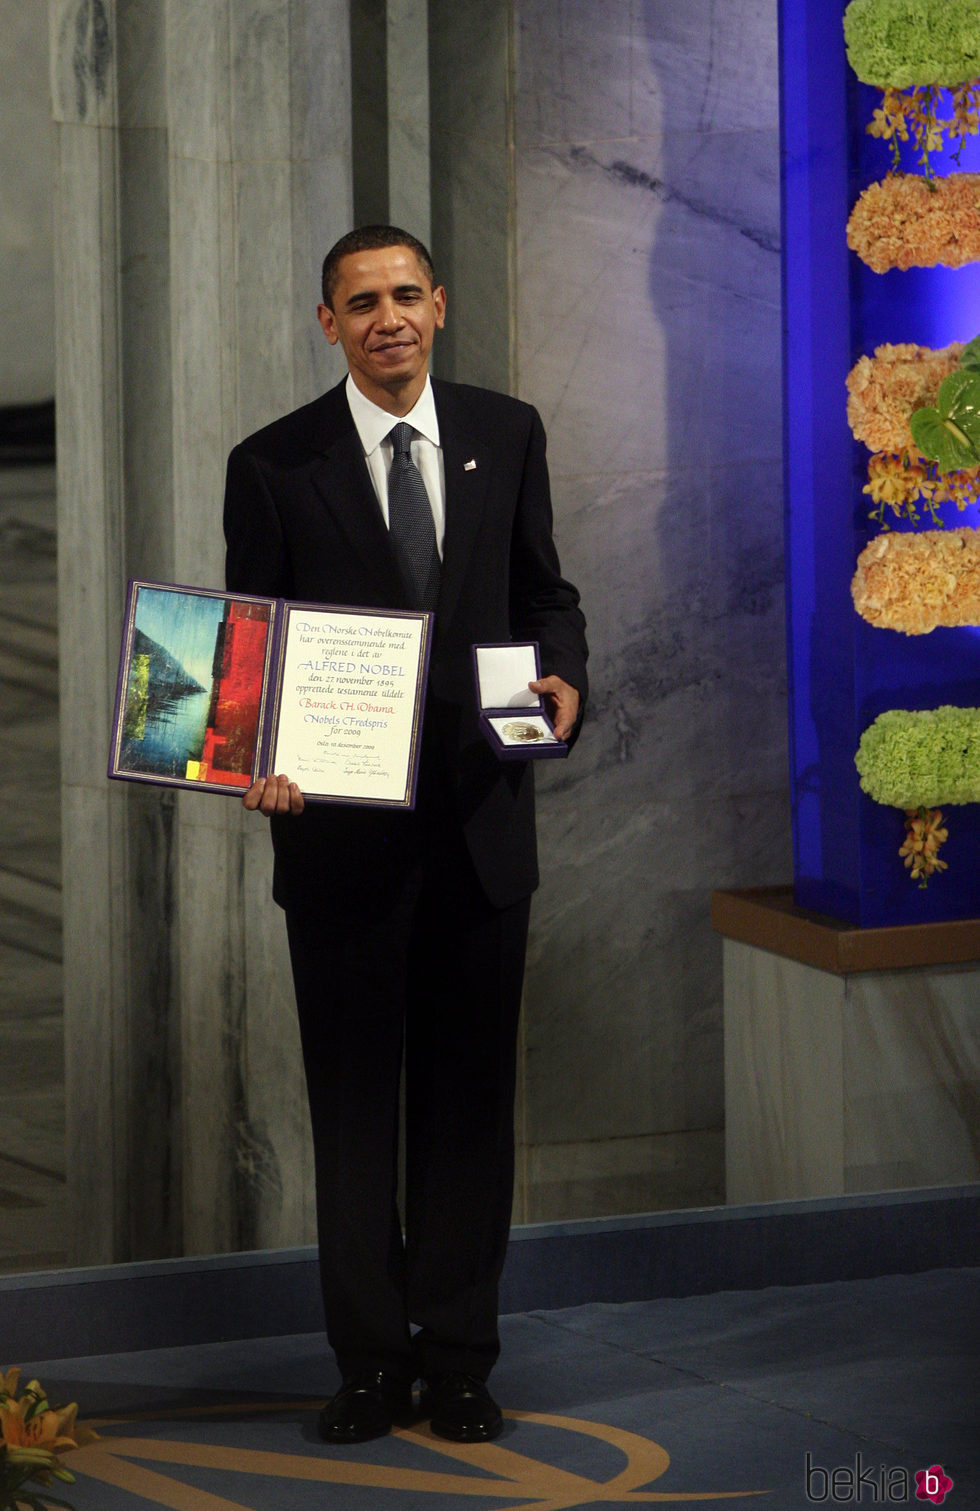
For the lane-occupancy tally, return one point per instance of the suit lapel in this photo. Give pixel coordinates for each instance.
(344, 486)
(466, 495)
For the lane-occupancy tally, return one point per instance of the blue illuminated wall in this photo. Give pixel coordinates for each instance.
(844, 672)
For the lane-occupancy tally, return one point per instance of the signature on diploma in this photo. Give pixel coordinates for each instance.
(366, 766)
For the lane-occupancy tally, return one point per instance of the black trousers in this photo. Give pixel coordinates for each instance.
(427, 967)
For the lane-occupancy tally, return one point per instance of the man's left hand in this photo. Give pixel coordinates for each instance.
(563, 701)
(273, 794)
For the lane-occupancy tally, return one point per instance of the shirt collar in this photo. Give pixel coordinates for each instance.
(374, 423)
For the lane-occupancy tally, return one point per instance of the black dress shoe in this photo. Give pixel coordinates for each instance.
(365, 1406)
(461, 1408)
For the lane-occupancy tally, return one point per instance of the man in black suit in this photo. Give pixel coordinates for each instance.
(407, 930)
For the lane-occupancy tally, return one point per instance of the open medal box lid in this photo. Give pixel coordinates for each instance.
(512, 717)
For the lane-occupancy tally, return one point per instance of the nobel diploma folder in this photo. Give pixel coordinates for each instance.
(216, 689)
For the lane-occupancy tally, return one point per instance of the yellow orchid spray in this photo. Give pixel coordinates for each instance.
(33, 1435)
(924, 835)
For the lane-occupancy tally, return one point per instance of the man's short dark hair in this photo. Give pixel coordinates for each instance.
(372, 239)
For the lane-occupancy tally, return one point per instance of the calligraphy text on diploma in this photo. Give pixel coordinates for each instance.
(349, 687)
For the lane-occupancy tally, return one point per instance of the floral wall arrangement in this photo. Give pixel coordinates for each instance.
(918, 409)
(906, 222)
(907, 758)
(917, 583)
(881, 303)
(899, 384)
(919, 53)
(902, 44)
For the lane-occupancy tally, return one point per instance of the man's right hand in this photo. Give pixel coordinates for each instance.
(273, 794)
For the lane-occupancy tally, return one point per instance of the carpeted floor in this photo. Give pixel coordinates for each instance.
(791, 1396)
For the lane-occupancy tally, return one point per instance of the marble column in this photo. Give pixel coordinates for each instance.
(471, 110)
(390, 114)
(408, 117)
(203, 151)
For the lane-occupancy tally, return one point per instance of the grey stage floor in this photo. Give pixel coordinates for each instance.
(761, 1395)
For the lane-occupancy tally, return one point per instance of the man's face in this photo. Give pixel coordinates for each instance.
(385, 314)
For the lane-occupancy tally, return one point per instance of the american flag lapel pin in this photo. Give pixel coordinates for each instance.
(470, 466)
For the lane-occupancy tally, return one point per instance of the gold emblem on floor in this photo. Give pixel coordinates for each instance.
(124, 1462)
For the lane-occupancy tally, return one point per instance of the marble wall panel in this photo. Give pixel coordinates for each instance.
(838, 1084)
(912, 1089)
(563, 52)
(609, 1177)
(244, 1169)
(635, 1049)
(595, 71)
(320, 216)
(203, 258)
(116, 853)
(264, 349)
(785, 1078)
(319, 95)
(472, 257)
(90, 598)
(96, 1039)
(147, 380)
(623, 994)
(198, 79)
(26, 227)
(648, 334)
(605, 219)
(369, 110)
(218, 1149)
(139, 35)
(90, 471)
(260, 123)
(321, 200)
(656, 307)
(470, 64)
(83, 55)
(685, 600)
(148, 1156)
(282, 1204)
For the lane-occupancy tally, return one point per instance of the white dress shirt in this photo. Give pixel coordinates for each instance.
(373, 426)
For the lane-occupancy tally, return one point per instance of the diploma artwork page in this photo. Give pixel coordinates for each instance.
(216, 689)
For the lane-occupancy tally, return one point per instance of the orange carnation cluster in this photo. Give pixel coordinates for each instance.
(916, 583)
(906, 221)
(883, 391)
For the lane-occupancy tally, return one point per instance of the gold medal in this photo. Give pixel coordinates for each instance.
(516, 730)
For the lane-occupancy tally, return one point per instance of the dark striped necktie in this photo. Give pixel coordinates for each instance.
(410, 522)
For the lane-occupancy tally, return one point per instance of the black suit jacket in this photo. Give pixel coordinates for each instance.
(302, 521)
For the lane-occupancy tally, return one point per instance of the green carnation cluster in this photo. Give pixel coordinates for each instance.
(922, 759)
(897, 43)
